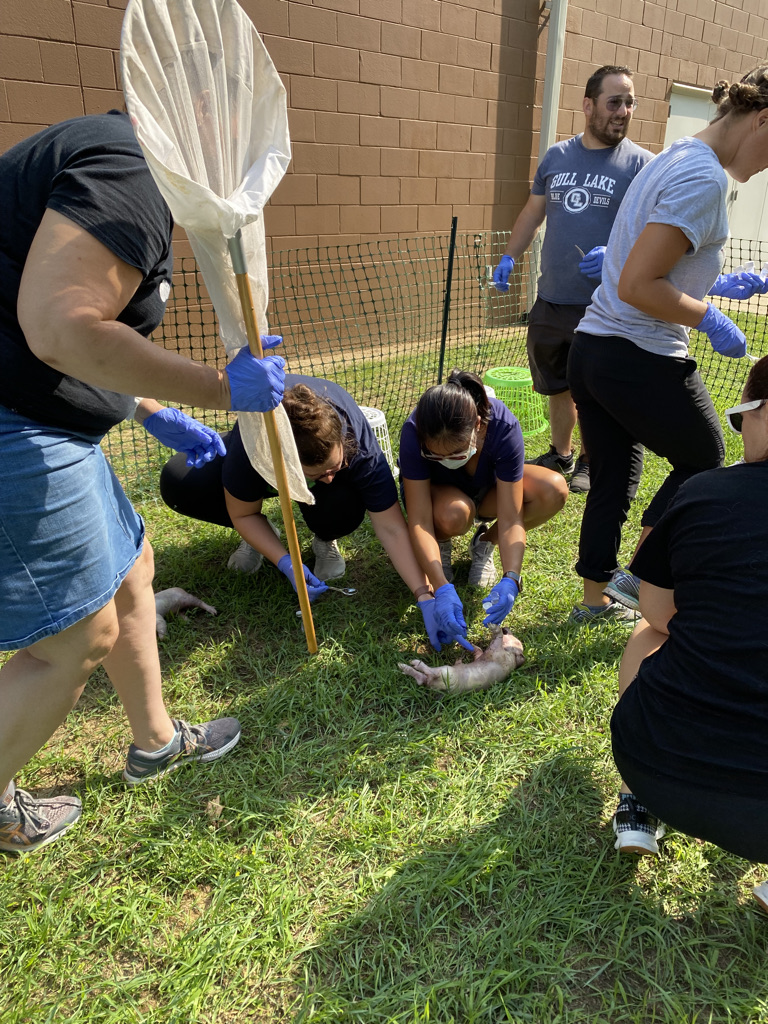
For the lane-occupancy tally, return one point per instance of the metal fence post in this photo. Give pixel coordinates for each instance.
(447, 299)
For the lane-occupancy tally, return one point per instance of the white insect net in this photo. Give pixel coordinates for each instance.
(209, 111)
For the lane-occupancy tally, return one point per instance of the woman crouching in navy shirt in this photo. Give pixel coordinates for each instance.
(462, 459)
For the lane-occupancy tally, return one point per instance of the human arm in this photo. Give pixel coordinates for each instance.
(528, 222)
(643, 282)
(392, 531)
(500, 600)
(182, 433)
(524, 230)
(421, 529)
(657, 606)
(644, 285)
(254, 528)
(72, 290)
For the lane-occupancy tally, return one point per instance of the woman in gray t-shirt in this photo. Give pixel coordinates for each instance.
(629, 371)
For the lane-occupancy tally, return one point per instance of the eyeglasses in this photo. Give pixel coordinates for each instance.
(735, 415)
(450, 455)
(614, 103)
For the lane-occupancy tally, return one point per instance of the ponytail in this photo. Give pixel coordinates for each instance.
(449, 411)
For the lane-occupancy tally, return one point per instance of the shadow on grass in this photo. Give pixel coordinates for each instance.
(533, 917)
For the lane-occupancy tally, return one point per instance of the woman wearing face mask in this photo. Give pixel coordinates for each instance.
(462, 460)
(349, 476)
(690, 730)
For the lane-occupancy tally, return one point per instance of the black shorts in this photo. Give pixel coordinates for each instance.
(551, 328)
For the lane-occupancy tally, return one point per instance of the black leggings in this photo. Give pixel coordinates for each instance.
(628, 398)
(733, 821)
(199, 494)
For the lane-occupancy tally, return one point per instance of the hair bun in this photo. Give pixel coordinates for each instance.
(720, 90)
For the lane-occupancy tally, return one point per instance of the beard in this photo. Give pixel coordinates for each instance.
(608, 129)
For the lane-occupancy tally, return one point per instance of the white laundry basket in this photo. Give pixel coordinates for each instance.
(378, 422)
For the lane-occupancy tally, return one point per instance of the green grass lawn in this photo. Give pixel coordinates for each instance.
(370, 852)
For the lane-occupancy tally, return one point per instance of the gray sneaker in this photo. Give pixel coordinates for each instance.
(205, 742)
(585, 613)
(624, 587)
(445, 559)
(329, 562)
(27, 823)
(482, 571)
(247, 559)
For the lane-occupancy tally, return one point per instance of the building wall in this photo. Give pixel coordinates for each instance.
(403, 113)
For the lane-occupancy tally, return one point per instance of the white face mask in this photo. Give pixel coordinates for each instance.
(458, 463)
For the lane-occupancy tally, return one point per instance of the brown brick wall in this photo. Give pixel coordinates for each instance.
(402, 112)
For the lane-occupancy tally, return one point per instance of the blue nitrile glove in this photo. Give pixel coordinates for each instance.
(592, 264)
(256, 385)
(500, 601)
(315, 587)
(724, 336)
(429, 611)
(502, 272)
(176, 430)
(449, 615)
(739, 286)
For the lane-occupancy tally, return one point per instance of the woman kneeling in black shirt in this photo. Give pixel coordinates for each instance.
(690, 731)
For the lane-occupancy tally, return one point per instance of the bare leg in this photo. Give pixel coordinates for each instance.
(133, 664)
(40, 685)
(562, 420)
(453, 512)
(645, 640)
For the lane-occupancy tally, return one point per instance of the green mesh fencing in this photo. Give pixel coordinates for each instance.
(369, 316)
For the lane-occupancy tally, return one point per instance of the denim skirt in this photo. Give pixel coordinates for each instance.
(68, 534)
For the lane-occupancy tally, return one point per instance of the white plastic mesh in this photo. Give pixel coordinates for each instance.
(209, 111)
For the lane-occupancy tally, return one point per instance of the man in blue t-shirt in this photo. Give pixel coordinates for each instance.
(578, 187)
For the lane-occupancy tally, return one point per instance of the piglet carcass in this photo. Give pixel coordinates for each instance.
(503, 655)
(175, 600)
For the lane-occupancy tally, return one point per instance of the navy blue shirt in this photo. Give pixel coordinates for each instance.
(368, 471)
(501, 457)
(91, 170)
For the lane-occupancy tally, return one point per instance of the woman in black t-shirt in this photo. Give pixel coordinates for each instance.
(690, 731)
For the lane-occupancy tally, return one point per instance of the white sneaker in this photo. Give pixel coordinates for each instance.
(482, 571)
(445, 559)
(328, 559)
(760, 892)
(636, 829)
(247, 559)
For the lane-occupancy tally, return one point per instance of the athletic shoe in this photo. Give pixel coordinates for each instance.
(636, 828)
(585, 613)
(205, 742)
(247, 559)
(553, 460)
(26, 823)
(580, 480)
(328, 561)
(482, 571)
(760, 892)
(624, 587)
(445, 559)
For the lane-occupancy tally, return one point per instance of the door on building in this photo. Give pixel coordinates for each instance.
(690, 110)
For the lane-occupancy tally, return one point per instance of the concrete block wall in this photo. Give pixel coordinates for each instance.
(403, 113)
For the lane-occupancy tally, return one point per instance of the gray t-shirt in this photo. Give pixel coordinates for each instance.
(583, 189)
(684, 186)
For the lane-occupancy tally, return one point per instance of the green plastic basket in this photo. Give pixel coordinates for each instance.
(513, 386)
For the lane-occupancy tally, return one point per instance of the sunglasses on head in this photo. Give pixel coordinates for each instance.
(735, 415)
(614, 103)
